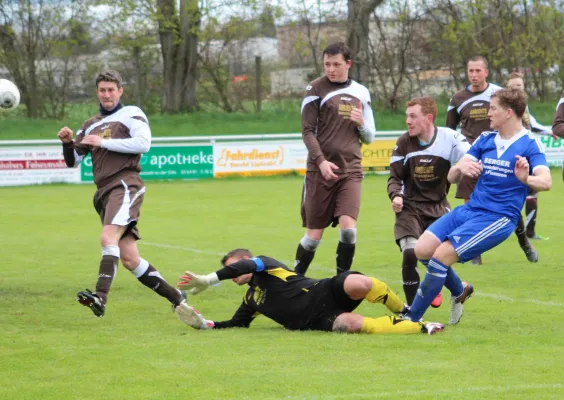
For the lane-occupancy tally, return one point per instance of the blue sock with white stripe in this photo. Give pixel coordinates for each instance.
(453, 283)
(429, 288)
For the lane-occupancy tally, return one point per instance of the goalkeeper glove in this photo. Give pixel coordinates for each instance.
(190, 316)
(197, 283)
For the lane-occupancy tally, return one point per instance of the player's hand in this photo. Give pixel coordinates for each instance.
(65, 135)
(196, 283)
(397, 204)
(356, 114)
(471, 169)
(327, 168)
(553, 135)
(522, 169)
(190, 316)
(92, 140)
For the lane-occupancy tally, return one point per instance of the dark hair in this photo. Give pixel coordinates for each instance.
(479, 58)
(428, 105)
(338, 48)
(512, 98)
(109, 75)
(236, 253)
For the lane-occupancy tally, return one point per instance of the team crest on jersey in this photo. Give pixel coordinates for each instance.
(106, 134)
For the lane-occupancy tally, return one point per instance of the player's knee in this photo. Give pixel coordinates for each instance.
(356, 286)
(309, 243)
(348, 236)
(348, 323)
(423, 250)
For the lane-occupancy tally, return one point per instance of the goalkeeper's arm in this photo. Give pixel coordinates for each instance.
(198, 283)
(190, 316)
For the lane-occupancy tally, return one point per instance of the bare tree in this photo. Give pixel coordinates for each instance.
(359, 12)
(178, 33)
(39, 51)
(395, 48)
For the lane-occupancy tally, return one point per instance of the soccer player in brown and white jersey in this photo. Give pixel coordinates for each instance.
(116, 137)
(558, 124)
(469, 109)
(526, 230)
(336, 118)
(418, 184)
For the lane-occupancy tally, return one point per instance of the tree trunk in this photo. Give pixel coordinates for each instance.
(179, 47)
(359, 12)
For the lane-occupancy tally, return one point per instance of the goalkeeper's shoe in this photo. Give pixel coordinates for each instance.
(457, 303)
(92, 301)
(437, 301)
(430, 328)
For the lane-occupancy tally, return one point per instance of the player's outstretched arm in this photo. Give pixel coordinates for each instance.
(196, 283)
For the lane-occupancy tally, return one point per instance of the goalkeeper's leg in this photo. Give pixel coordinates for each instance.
(354, 323)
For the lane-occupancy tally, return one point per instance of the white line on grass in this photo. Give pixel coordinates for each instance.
(332, 270)
(431, 392)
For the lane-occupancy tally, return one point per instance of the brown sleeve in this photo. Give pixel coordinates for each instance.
(558, 124)
(453, 118)
(75, 145)
(310, 116)
(395, 181)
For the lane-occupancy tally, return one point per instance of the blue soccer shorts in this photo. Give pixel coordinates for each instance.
(472, 232)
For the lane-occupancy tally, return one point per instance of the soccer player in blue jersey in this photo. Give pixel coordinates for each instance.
(507, 161)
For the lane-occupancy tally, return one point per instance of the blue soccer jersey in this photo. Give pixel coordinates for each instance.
(498, 190)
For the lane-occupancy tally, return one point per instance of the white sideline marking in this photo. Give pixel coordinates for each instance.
(332, 270)
(183, 248)
(430, 392)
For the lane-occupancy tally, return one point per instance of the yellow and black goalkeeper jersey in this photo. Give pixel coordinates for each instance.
(275, 291)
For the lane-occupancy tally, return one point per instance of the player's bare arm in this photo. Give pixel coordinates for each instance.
(465, 167)
(541, 180)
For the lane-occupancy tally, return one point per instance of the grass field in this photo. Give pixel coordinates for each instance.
(508, 345)
(276, 117)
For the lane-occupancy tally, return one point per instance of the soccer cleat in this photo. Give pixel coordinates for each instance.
(437, 301)
(476, 260)
(430, 328)
(92, 301)
(403, 314)
(531, 253)
(457, 303)
(538, 237)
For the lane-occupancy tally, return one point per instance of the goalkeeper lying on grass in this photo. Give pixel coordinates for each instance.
(298, 302)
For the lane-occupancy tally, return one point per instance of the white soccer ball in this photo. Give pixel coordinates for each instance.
(9, 95)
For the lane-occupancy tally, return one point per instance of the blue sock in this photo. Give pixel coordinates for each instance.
(453, 283)
(429, 288)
